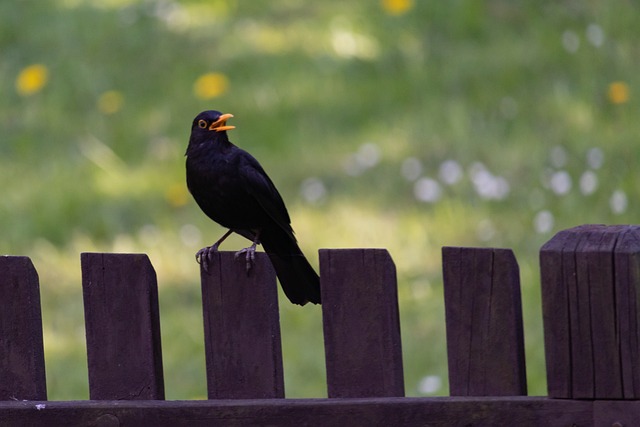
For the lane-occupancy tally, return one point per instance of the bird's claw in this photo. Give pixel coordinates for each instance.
(203, 256)
(250, 256)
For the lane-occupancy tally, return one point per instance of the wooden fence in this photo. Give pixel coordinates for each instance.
(590, 289)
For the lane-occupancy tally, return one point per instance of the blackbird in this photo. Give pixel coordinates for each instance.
(233, 189)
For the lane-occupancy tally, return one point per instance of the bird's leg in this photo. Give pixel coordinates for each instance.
(202, 256)
(215, 246)
(250, 252)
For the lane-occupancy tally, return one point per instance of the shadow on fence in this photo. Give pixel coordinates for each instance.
(590, 281)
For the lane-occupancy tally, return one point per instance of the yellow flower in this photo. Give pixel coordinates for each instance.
(177, 195)
(32, 79)
(397, 7)
(210, 85)
(110, 102)
(618, 92)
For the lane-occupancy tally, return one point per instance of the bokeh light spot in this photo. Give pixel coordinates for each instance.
(313, 190)
(177, 195)
(618, 202)
(427, 190)
(543, 222)
(570, 41)
(588, 182)
(110, 102)
(560, 182)
(595, 158)
(430, 384)
(618, 93)
(210, 85)
(450, 172)
(397, 7)
(595, 35)
(32, 79)
(411, 168)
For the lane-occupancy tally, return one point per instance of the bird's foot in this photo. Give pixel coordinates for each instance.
(203, 256)
(250, 256)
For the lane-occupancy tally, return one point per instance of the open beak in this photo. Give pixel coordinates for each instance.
(221, 124)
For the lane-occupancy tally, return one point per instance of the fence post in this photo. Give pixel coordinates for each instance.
(485, 341)
(361, 323)
(122, 326)
(590, 289)
(242, 329)
(22, 372)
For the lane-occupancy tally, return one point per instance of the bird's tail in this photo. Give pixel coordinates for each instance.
(298, 279)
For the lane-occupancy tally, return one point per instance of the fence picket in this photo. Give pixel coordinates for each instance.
(122, 326)
(361, 323)
(485, 341)
(242, 329)
(22, 372)
(591, 332)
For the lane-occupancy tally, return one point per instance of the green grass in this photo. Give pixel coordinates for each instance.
(309, 84)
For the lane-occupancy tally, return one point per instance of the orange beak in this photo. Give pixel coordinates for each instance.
(221, 124)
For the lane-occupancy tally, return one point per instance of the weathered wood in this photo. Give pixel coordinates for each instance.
(485, 342)
(242, 329)
(596, 276)
(556, 282)
(122, 326)
(361, 323)
(627, 292)
(616, 413)
(384, 412)
(22, 372)
(590, 280)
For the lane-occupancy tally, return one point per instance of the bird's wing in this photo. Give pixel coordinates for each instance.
(258, 184)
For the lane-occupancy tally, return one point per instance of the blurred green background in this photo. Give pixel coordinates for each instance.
(407, 125)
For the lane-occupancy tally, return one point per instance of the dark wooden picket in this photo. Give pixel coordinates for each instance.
(590, 279)
(122, 326)
(485, 341)
(242, 329)
(361, 323)
(590, 290)
(22, 374)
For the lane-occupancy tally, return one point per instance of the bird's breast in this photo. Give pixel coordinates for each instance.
(221, 195)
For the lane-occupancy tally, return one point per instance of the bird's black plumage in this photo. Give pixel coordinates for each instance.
(233, 189)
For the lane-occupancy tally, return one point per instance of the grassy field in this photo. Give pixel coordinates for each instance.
(400, 124)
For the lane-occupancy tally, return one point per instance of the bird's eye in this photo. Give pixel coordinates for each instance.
(202, 124)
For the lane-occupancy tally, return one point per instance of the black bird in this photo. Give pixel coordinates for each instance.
(233, 189)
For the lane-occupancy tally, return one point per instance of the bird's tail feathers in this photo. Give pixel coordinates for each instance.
(298, 279)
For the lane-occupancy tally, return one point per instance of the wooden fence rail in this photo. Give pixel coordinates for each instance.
(590, 288)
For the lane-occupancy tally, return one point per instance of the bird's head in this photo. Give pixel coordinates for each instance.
(211, 121)
(209, 126)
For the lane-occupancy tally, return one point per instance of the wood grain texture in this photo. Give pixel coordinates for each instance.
(485, 341)
(555, 313)
(22, 371)
(590, 280)
(122, 326)
(616, 413)
(383, 412)
(627, 292)
(242, 329)
(596, 273)
(361, 323)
